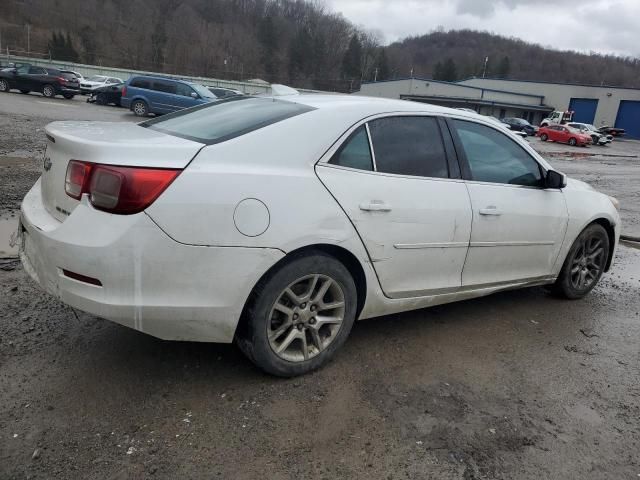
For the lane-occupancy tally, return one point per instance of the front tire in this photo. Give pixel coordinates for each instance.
(140, 108)
(4, 85)
(48, 91)
(585, 263)
(573, 142)
(299, 316)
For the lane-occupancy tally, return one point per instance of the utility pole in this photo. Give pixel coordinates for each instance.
(28, 39)
(375, 75)
(484, 70)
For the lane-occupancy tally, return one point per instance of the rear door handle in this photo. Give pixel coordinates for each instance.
(490, 210)
(375, 206)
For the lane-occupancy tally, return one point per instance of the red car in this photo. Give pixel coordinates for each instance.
(564, 134)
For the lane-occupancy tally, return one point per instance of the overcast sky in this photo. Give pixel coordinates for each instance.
(605, 26)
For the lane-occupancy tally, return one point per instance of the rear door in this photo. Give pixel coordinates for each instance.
(396, 180)
(518, 225)
(163, 96)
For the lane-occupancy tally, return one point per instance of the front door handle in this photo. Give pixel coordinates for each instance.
(490, 210)
(375, 206)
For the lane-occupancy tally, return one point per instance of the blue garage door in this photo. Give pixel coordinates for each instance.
(629, 118)
(584, 108)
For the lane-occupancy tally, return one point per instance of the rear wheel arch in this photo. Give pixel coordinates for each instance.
(344, 256)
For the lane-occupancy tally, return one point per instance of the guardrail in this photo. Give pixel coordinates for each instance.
(123, 73)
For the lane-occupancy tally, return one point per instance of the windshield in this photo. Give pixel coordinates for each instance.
(202, 91)
(219, 121)
(97, 78)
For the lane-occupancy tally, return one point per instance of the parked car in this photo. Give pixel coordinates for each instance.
(107, 95)
(220, 92)
(607, 130)
(503, 125)
(597, 138)
(31, 78)
(146, 94)
(97, 81)
(564, 134)
(278, 222)
(520, 125)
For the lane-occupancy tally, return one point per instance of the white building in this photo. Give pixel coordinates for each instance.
(599, 105)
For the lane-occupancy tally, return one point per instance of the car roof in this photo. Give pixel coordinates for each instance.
(160, 77)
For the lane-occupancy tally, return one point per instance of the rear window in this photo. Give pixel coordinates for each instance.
(219, 121)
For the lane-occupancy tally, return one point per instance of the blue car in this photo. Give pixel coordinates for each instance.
(145, 94)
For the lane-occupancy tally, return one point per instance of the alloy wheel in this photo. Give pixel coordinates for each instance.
(139, 109)
(588, 263)
(48, 91)
(306, 318)
(3, 86)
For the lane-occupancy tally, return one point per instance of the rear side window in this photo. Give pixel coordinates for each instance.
(355, 152)
(409, 146)
(496, 158)
(165, 87)
(226, 119)
(140, 83)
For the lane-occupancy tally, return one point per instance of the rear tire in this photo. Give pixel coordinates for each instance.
(544, 137)
(68, 96)
(140, 108)
(299, 316)
(101, 99)
(24, 92)
(4, 85)
(585, 263)
(48, 91)
(573, 142)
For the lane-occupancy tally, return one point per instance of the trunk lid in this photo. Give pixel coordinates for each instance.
(123, 144)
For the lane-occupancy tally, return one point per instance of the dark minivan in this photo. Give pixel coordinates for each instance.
(145, 94)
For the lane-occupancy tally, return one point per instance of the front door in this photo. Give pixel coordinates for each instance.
(518, 225)
(392, 178)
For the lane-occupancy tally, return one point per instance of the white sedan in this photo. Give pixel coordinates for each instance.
(87, 85)
(277, 222)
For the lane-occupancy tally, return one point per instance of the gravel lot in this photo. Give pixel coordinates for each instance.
(516, 385)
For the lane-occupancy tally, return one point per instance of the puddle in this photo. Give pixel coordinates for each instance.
(8, 227)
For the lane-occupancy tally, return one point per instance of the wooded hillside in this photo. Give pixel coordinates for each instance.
(295, 42)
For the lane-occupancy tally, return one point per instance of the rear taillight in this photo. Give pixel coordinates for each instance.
(116, 189)
(124, 91)
(61, 79)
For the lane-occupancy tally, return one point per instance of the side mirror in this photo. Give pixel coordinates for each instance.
(194, 95)
(555, 180)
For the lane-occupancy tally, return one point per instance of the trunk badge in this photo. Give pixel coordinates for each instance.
(46, 164)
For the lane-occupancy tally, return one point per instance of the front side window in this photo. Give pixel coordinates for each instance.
(493, 157)
(355, 152)
(409, 146)
(184, 90)
(217, 122)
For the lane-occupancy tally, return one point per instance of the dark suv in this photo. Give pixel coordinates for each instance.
(48, 81)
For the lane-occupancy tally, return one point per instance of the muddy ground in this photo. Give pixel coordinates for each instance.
(518, 385)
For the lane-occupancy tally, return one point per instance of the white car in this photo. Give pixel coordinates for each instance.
(89, 84)
(278, 222)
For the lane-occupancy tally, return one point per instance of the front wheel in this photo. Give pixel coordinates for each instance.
(140, 108)
(573, 142)
(299, 316)
(584, 264)
(4, 85)
(48, 91)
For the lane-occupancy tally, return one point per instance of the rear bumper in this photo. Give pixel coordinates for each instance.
(149, 282)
